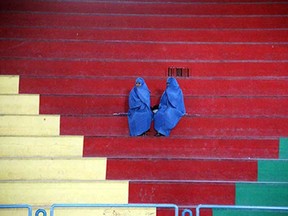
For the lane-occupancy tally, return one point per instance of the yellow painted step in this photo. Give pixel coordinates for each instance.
(14, 212)
(54, 146)
(9, 84)
(53, 169)
(48, 193)
(85, 211)
(19, 104)
(106, 211)
(30, 125)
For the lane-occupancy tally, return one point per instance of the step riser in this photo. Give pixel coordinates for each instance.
(144, 51)
(122, 21)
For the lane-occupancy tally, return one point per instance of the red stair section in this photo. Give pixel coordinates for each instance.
(195, 105)
(83, 58)
(150, 147)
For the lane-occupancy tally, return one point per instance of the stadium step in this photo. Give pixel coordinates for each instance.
(43, 19)
(237, 106)
(140, 147)
(196, 8)
(9, 84)
(19, 104)
(182, 169)
(41, 193)
(220, 193)
(151, 35)
(69, 211)
(122, 86)
(143, 50)
(44, 169)
(115, 68)
(197, 169)
(41, 146)
(188, 126)
(29, 125)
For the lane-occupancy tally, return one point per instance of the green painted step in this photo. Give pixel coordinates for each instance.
(218, 212)
(273, 170)
(283, 149)
(262, 194)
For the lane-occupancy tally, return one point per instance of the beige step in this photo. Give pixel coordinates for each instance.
(9, 84)
(108, 211)
(29, 125)
(54, 146)
(19, 104)
(53, 169)
(48, 193)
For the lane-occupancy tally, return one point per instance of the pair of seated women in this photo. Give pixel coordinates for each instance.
(166, 115)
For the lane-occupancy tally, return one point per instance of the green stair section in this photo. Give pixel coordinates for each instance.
(262, 194)
(218, 212)
(283, 148)
(273, 170)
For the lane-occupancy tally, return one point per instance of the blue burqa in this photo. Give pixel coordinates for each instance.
(139, 114)
(171, 108)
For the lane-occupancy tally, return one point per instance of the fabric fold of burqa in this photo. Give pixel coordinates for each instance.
(139, 113)
(171, 108)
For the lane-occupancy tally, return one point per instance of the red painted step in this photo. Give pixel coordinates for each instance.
(136, 34)
(142, 50)
(182, 193)
(146, 8)
(98, 67)
(89, 104)
(122, 86)
(187, 127)
(181, 169)
(135, 147)
(170, 212)
(142, 21)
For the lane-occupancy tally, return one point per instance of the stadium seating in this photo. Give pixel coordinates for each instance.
(66, 71)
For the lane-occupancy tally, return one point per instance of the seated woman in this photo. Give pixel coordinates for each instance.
(170, 110)
(139, 113)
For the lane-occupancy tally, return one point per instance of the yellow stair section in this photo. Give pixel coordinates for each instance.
(40, 167)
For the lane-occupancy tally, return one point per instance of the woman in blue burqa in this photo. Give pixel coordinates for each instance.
(171, 108)
(139, 114)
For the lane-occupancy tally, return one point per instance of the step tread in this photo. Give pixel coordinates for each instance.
(85, 104)
(180, 148)
(142, 50)
(41, 146)
(115, 67)
(53, 169)
(198, 8)
(187, 127)
(190, 87)
(134, 21)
